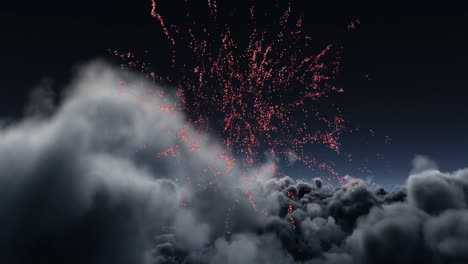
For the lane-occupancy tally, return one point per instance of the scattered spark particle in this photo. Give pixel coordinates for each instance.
(353, 25)
(388, 140)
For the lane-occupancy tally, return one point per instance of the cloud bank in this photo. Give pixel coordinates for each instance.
(94, 183)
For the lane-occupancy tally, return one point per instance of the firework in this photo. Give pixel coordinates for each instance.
(260, 96)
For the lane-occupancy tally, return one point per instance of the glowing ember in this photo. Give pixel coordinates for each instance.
(290, 209)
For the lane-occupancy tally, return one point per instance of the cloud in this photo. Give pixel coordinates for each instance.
(248, 248)
(112, 175)
(435, 192)
(78, 186)
(423, 163)
(446, 236)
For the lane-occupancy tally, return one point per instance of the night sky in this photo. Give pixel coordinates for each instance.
(92, 172)
(404, 69)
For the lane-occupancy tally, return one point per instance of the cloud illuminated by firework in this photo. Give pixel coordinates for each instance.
(261, 96)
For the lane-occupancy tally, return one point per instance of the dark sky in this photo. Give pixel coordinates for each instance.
(405, 70)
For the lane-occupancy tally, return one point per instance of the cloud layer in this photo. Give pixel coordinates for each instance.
(94, 183)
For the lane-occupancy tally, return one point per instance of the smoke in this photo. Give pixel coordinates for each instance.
(88, 184)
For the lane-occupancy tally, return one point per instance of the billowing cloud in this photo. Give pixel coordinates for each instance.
(423, 163)
(115, 176)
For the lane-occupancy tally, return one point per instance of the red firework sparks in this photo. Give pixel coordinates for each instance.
(265, 95)
(260, 96)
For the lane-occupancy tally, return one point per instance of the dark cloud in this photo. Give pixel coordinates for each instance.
(399, 194)
(435, 192)
(389, 235)
(85, 185)
(446, 236)
(349, 203)
(318, 182)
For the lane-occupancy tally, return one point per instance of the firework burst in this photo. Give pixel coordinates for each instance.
(261, 96)
(265, 94)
